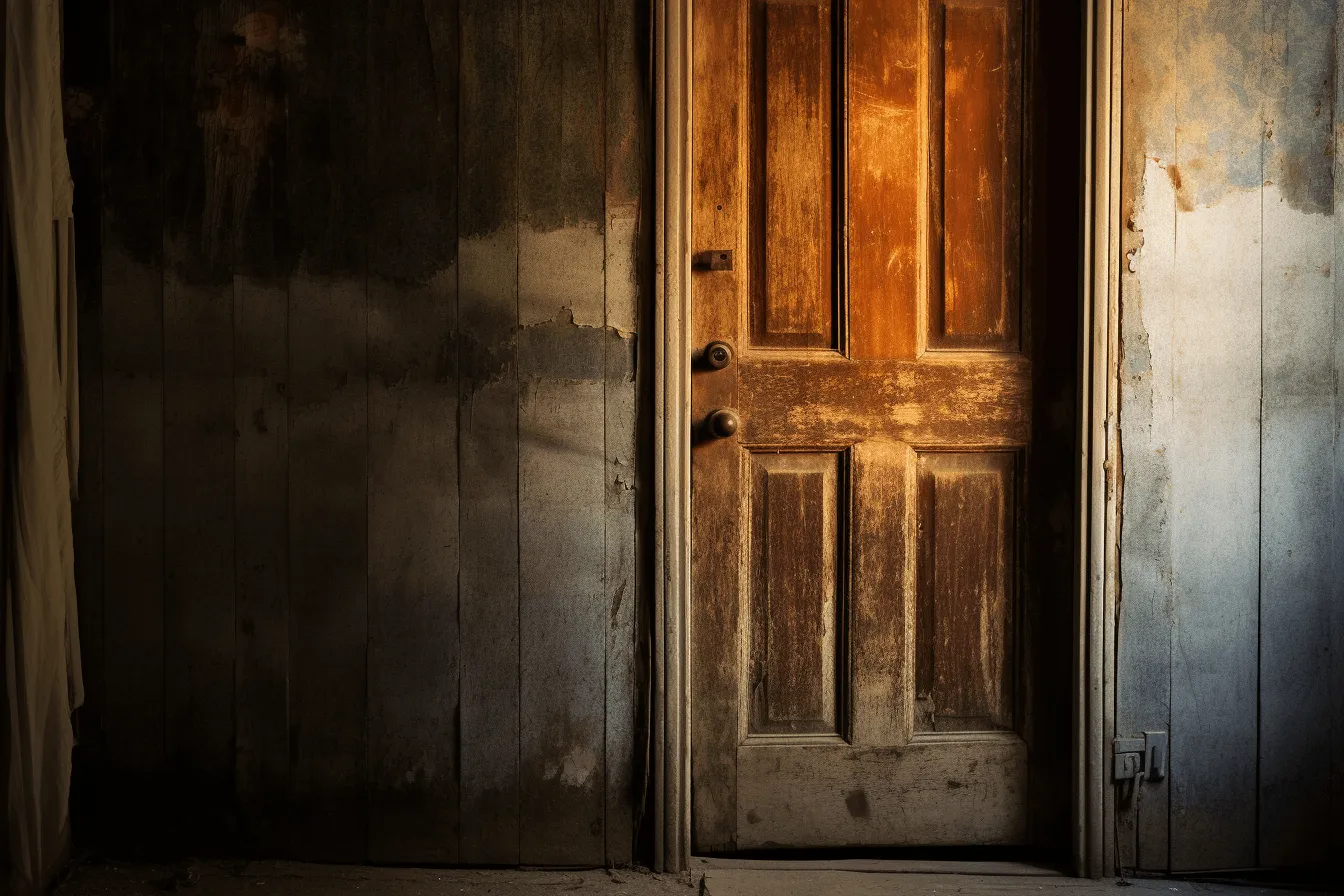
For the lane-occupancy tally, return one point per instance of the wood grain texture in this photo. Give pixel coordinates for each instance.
(488, 437)
(934, 401)
(805, 592)
(797, 501)
(561, 467)
(793, 301)
(334, 251)
(718, 220)
(198, 444)
(836, 794)
(328, 438)
(413, 400)
(261, 556)
(626, 273)
(881, 611)
(975, 303)
(886, 175)
(253, 177)
(967, 547)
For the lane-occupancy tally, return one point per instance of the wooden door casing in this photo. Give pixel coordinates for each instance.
(856, 668)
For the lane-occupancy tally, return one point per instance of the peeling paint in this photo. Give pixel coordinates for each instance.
(563, 272)
(575, 768)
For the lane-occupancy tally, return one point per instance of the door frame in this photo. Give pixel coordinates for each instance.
(1097, 512)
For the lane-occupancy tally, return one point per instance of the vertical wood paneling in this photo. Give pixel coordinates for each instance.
(198, 437)
(258, 239)
(1143, 650)
(413, 512)
(328, 436)
(974, 304)
(964, 633)
(794, 305)
(488, 447)
(561, 471)
(250, 95)
(352, 325)
(132, 671)
(261, 516)
(1215, 461)
(881, 605)
(626, 164)
(886, 80)
(795, 548)
(1297, 437)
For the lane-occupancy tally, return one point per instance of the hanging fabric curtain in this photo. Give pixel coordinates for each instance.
(41, 640)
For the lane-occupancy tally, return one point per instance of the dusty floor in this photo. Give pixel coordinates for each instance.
(293, 879)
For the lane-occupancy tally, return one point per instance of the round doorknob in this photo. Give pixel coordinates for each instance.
(718, 355)
(723, 423)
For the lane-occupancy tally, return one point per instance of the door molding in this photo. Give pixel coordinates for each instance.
(671, 704)
(1098, 457)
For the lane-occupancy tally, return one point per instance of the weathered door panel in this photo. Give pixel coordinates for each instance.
(856, 543)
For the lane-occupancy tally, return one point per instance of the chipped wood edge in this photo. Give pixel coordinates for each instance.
(1099, 460)
(672, 458)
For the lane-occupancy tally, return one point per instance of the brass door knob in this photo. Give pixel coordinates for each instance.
(723, 423)
(718, 355)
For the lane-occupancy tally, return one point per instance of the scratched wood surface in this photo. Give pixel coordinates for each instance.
(858, 541)
(358, 530)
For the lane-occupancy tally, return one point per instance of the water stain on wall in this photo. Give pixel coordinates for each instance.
(242, 54)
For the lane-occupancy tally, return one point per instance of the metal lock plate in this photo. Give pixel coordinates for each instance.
(714, 260)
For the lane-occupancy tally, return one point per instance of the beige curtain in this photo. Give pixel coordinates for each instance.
(41, 640)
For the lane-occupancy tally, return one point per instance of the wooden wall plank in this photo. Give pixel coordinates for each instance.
(413, 513)
(198, 439)
(1297, 436)
(626, 166)
(328, 435)
(487, 255)
(561, 468)
(261, 557)
(1215, 451)
(133, 414)
(1143, 687)
(262, 258)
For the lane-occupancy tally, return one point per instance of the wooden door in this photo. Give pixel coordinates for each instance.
(856, 577)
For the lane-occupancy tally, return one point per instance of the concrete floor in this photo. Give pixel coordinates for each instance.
(707, 879)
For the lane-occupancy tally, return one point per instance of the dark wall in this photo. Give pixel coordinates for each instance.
(356, 537)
